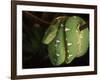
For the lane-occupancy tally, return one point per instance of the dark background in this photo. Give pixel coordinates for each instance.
(35, 53)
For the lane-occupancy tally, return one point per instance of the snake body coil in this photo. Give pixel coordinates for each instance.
(65, 40)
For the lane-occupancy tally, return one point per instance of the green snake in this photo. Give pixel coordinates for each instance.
(65, 40)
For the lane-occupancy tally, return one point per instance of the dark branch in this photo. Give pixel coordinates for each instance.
(82, 27)
(35, 17)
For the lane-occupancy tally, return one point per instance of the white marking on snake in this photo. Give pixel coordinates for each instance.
(69, 56)
(67, 50)
(74, 17)
(66, 29)
(57, 55)
(57, 41)
(69, 44)
(62, 25)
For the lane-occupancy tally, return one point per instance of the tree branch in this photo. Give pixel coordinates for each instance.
(35, 17)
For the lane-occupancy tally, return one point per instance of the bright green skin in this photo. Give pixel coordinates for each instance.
(77, 38)
(61, 52)
(51, 32)
(84, 42)
(57, 49)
